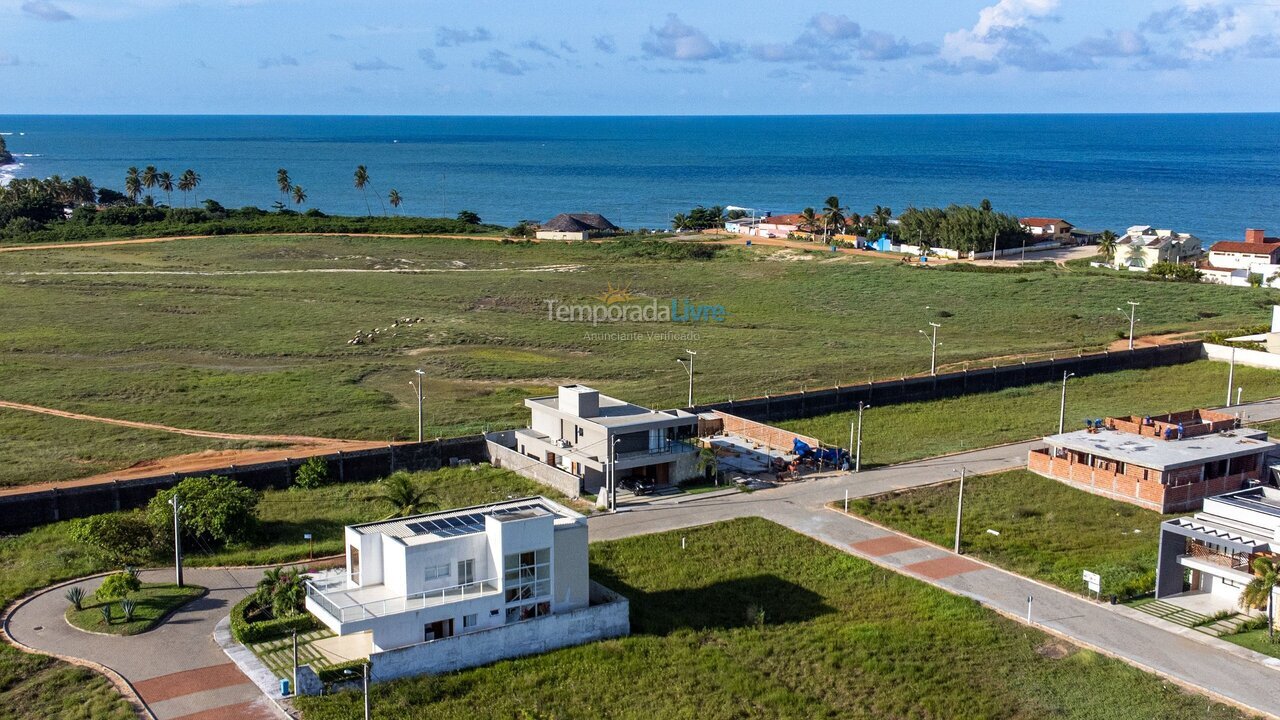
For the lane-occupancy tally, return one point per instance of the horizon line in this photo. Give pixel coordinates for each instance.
(655, 115)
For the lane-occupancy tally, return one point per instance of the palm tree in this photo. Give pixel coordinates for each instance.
(808, 220)
(82, 190)
(299, 195)
(149, 177)
(1257, 594)
(709, 463)
(679, 222)
(404, 495)
(132, 184)
(362, 179)
(187, 182)
(394, 198)
(165, 181)
(1107, 245)
(1136, 256)
(832, 216)
(882, 215)
(284, 183)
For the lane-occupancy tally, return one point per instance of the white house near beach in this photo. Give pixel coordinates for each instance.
(475, 584)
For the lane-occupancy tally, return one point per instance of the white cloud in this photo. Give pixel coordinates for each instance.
(45, 10)
(375, 65)
(984, 40)
(675, 40)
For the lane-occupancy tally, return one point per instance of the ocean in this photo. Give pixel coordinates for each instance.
(1212, 175)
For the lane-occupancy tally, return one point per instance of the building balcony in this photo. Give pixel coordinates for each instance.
(668, 451)
(1238, 561)
(331, 599)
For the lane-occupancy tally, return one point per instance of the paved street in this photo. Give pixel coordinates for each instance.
(177, 669)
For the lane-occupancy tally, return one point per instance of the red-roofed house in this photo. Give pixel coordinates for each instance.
(1231, 262)
(1048, 228)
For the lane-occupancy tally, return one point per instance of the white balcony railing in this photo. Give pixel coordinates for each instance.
(671, 448)
(333, 596)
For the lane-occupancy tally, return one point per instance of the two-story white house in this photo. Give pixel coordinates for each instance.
(1142, 246)
(430, 577)
(577, 436)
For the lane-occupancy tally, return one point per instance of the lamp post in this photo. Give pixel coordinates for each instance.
(857, 446)
(933, 345)
(959, 509)
(421, 376)
(177, 538)
(1062, 407)
(1133, 307)
(365, 682)
(613, 474)
(688, 368)
(1231, 375)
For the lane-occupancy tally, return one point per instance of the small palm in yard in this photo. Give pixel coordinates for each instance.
(281, 590)
(405, 496)
(75, 596)
(709, 463)
(1257, 594)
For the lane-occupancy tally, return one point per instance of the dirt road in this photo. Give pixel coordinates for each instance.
(145, 241)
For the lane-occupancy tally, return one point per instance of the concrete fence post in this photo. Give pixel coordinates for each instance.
(342, 466)
(288, 472)
(57, 510)
(391, 457)
(115, 495)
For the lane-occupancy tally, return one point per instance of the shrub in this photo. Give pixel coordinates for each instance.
(311, 474)
(121, 537)
(1174, 271)
(118, 585)
(127, 607)
(215, 510)
(75, 596)
(246, 632)
(105, 610)
(663, 249)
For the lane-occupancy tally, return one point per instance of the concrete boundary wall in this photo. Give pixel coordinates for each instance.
(842, 398)
(1251, 358)
(767, 435)
(502, 455)
(608, 616)
(20, 511)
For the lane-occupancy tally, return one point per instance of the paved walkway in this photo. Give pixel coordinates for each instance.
(177, 669)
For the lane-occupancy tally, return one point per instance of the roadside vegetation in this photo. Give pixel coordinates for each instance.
(133, 612)
(39, 686)
(753, 620)
(910, 431)
(1047, 530)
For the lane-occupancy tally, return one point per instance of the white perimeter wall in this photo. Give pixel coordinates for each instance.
(1251, 358)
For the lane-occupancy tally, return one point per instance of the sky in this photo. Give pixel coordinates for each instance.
(588, 57)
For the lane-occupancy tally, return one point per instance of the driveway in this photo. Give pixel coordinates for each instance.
(176, 669)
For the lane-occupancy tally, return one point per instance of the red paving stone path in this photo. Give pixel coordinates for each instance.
(887, 545)
(167, 687)
(943, 567)
(243, 711)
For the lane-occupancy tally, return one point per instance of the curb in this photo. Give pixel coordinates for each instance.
(1199, 690)
(159, 621)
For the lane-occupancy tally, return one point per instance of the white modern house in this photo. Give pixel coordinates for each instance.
(1142, 246)
(578, 436)
(1047, 228)
(1209, 554)
(1231, 262)
(448, 590)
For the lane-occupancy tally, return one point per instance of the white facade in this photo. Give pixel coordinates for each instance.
(1211, 552)
(1143, 246)
(588, 435)
(445, 574)
(562, 235)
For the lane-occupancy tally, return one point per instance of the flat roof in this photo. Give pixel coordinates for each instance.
(1162, 454)
(1257, 499)
(618, 413)
(416, 529)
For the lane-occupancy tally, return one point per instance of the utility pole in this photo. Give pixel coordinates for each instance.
(613, 474)
(933, 344)
(177, 537)
(1231, 375)
(995, 244)
(420, 375)
(857, 453)
(1062, 408)
(959, 510)
(295, 662)
(1133, 307)
(689, 369)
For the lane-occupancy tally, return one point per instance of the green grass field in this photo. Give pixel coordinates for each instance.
(154, 602)
(753, 620)
(42, 687)
(249, 334)
(897, 433)
(1048, 530)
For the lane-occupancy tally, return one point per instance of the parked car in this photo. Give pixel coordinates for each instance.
(637, 486)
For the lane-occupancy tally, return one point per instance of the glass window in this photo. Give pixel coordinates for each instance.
(468, 621)
(466, 571)
(527, 576)
(433, 572)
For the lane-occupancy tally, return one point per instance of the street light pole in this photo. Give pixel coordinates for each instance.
(857, 456)
(933, 345)
(365, 683)
(689, 369)
(1062, 408)
(420, 375)
(1231, 375)
(613, 475)
(1133, 307)
(177, 537)
(959, 509)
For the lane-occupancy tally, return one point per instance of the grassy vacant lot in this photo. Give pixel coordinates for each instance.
(41, 687)
(249, 334)
(753, 620)
(1048, 531)
(897, 433)
(154, 602)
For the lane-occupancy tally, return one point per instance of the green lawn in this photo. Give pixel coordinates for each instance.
(1257, 641)
(897, 433)
(753, 620)
(277, 654)
(154, 602)
(42, 687)
(1048, 530)
(265, 353)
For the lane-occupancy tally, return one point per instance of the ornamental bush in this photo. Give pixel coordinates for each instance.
(118, 586)
(216, 510)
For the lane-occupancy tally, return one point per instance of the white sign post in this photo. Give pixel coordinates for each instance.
(1094, 581)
